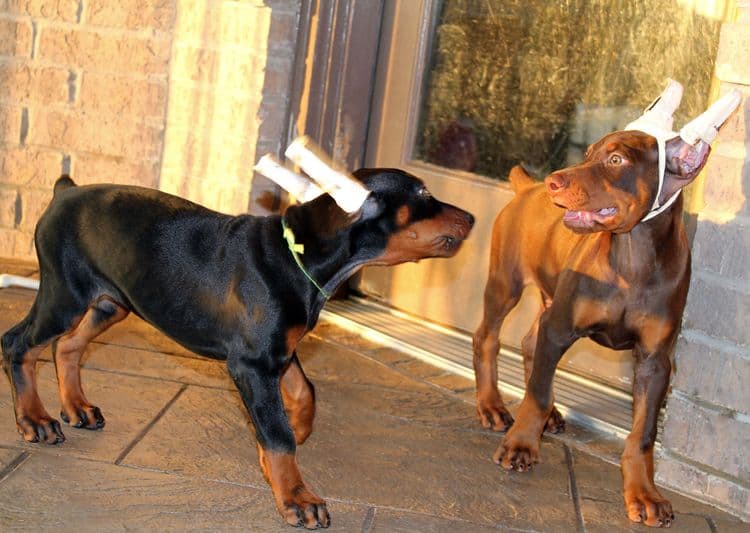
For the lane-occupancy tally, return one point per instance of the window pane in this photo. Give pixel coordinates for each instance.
(536, 81)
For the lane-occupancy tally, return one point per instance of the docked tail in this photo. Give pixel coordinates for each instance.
(520, 179)
(62, 183)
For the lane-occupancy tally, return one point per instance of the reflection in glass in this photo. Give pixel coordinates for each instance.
(536, 81)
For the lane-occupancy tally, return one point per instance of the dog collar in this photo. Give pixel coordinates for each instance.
(297, 250)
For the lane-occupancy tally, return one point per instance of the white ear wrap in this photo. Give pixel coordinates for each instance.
(298, 186)
(706, 126)
(348, 193)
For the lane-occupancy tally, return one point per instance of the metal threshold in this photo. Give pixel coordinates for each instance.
(579, 399)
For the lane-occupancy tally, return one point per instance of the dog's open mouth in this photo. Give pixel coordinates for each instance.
(586, 219)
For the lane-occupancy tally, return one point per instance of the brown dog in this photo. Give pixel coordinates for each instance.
(605, 273)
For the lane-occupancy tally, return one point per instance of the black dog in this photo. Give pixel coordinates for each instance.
(225, 287)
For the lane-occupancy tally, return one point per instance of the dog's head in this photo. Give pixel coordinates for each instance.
(617, 183)
(401, 221)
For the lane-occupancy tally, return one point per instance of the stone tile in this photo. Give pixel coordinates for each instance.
(8, 455)
(128, 403)
(602, 506)
(363, 453)
(134, 361)
(400, 522)
(333, 362)
(91, 496)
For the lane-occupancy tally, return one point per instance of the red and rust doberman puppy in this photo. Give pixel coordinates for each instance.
(225, 287)
(603, 273)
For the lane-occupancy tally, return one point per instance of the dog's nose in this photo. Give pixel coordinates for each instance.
(556, 182)
(469, 218)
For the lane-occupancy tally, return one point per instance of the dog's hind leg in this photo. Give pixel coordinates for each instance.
(500, 296)
(67, 351)
(298, 395)
(51, 315)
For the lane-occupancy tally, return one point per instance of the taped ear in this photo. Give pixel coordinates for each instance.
(298, 186)
(684, 163)
(349, 194)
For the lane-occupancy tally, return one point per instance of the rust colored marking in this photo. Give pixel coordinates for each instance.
(643, 502)
(294, 500)
(67, 353)
(293, 336)
(299, 401)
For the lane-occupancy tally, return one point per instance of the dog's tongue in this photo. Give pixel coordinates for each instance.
(587, 218)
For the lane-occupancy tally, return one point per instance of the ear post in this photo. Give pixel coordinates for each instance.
(295, 184)
(348, 193)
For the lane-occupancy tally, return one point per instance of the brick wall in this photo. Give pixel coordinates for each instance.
(229, 92)
(83, 89)
(175, 94)
(707, 427)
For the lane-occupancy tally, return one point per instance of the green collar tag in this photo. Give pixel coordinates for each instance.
(296, 250)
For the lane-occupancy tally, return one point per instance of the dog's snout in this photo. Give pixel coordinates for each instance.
(556, 182)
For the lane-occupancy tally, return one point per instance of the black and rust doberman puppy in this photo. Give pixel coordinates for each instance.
(225, 287)
(603, 273)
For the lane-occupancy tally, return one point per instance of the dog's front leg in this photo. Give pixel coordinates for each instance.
(259, 387)
(642, 501)
(519, 450)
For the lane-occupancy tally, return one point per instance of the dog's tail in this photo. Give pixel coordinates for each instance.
(62, 183)
(520, 179)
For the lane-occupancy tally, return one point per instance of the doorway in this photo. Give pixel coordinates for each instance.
(465, 89)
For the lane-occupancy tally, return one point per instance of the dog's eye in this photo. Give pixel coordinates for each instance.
(615, 159)
(424, 193)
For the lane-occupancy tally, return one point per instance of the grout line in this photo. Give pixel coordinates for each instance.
(148, 427)
(574, 488)
(14, 465)
(367, 523)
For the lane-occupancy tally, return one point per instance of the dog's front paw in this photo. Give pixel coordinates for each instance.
(83, 416)
(305, 509)
(41, 428)
(517, 452)
(555, 423)
(649, 507)
(494, 415)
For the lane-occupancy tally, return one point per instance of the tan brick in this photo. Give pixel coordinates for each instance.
(731, 59)
(30, 167)
(95, 168)
(208, 157)
(79, 131)
(66, 10)
(232, 69)
(213, 24)
(214, 113)
(33, 203)
(727, 180)
(112, 94)
(7, 241)
(10, 124)
(686, 430)
(104, 51)
(9, 207)
(24, 82)
(131, 14)
(23, 244)
(15, 38)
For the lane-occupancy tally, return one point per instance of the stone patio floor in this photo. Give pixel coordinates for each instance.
(396, 447)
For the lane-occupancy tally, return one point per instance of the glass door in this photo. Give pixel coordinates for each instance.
(468, 88)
